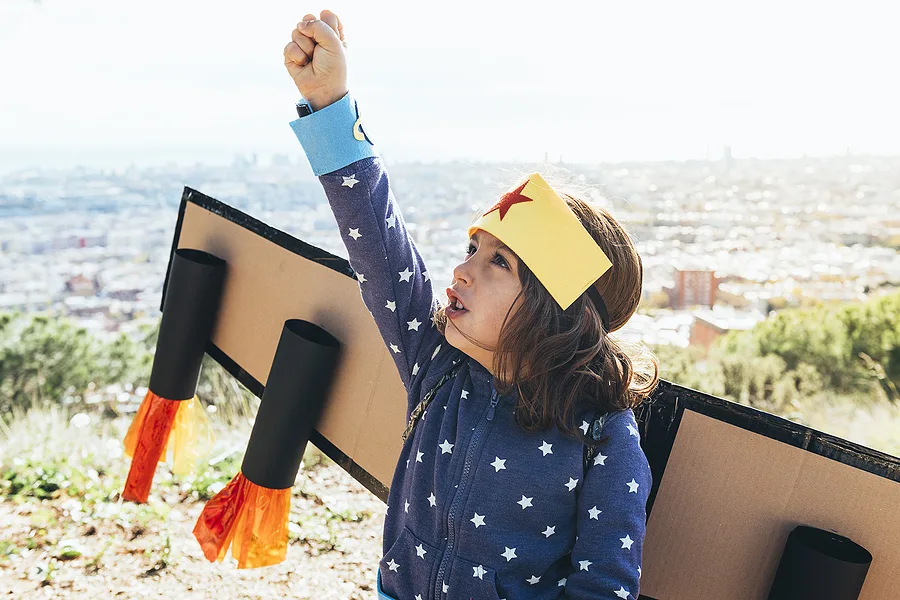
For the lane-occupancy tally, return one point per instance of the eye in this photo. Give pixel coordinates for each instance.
(469, 249)
(498, 258)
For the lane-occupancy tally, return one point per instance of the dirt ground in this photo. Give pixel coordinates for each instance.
(51, 549)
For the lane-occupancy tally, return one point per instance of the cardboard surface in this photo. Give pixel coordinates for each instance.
(266, 285)
(728, 500)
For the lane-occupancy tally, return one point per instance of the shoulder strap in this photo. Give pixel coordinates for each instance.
(420, 408)
(595, 432)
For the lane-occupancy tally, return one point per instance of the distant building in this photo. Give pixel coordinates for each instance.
(709, 324)
(693, 288)
(81, 286)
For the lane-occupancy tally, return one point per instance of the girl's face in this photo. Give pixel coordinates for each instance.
(486, 284)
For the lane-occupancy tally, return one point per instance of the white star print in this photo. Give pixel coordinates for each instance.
(414, 324)
(355, 234)
(464, 394)
(395, 348)
(415, 369)
(599, 459)
(419, 456)
(421, 551)
(391, 306)
(584, 427)
(584, 564)
(436, 350)
(546, 448)
(426, 275)
(418, 596)
(407, 463)
(444, 587)
(639, 571)
(478, 520)
(509, 554)
(572, 484)
(561, 582)
(479, 572)
(525, 502)
(405, 506)
(499, 463)
(533, 580)
(626, 542)
(632, 486)
(594, 512)
(549, 531)
(405, 274)
(362, 279)
(391, 220)
(350, 181)
(446, 447)
(393, 566)
(432, 499)
(622, 592)
(633, 431)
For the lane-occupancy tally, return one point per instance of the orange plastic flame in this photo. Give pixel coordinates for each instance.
(149, 436)
(253, 520)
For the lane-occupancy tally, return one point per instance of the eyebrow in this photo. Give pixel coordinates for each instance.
(500, 246)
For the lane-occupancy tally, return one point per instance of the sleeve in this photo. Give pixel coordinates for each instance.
(393, 279)
(612, 517)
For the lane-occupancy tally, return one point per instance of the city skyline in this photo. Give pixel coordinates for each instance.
(104, 84)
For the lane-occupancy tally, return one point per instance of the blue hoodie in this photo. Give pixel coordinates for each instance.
(478, 508)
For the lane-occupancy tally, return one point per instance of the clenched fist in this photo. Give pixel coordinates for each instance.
(316, 61)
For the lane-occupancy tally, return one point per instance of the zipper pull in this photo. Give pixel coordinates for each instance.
(494, 400)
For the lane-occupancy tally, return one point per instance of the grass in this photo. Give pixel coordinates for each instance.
(67, 475)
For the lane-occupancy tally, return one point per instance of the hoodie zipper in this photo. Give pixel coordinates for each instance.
(451, 540)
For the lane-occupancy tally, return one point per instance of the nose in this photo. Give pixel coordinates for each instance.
(462, 273)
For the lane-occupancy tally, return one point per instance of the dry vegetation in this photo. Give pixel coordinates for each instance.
(67, 534)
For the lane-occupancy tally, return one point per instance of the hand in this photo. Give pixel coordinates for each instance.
(316, 61)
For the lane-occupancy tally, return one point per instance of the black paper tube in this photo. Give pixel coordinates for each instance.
(189, 314)
(820, 565)
(298, 385)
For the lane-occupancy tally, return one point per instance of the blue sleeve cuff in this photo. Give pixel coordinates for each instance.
(333, 137)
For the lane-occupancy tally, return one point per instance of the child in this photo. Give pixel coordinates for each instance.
(492, 496)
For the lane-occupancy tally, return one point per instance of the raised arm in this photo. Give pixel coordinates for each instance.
(393, 279)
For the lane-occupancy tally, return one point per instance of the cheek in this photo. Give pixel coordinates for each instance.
(501, 306)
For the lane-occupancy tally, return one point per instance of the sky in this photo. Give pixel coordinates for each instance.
(107, 83)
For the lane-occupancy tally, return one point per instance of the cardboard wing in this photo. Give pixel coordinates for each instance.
(730, 482)
(274, 277)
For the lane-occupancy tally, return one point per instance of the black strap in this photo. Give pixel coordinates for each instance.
(420, 408)
(595, 432)
(600, 304)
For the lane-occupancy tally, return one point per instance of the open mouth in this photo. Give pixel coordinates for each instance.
(455, 308)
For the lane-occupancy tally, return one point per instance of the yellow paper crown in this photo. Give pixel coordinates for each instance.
(538, 225)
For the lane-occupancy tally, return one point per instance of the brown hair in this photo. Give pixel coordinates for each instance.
(564, 361)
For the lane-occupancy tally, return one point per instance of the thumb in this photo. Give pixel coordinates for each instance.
(321, 33)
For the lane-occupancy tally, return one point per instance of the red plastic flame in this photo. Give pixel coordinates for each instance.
(253, 520)
(146, 442)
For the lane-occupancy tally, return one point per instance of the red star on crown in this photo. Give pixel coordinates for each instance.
(508, 199)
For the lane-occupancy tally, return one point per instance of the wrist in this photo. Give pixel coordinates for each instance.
(320, 101)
